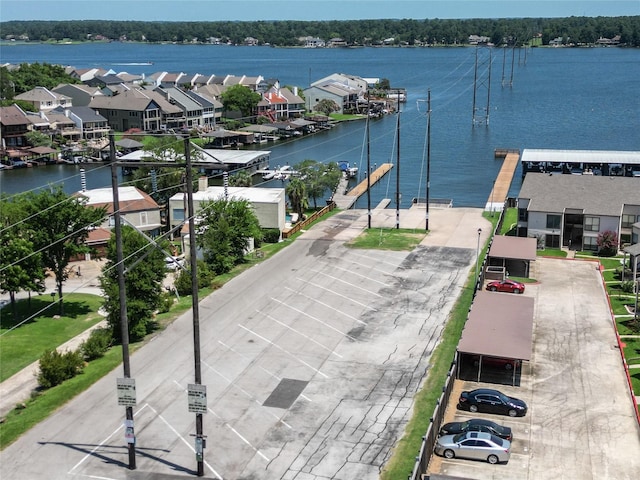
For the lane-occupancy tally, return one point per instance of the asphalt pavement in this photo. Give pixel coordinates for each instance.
(311, 361)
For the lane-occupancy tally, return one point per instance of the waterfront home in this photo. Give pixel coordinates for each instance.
(572, 210)
(44, 100)
(80, 94)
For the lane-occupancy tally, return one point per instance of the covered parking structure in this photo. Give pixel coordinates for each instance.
(496, 338)
(511, 256)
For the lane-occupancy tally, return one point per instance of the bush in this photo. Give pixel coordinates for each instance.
(627, 286)
(607, 243)
(97, 344)
(56, 367)
(182, 282)
(166, 302)
(271, 235)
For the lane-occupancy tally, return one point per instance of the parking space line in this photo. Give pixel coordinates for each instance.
(351, 272)
(351, 284)
(283, 350)
(336, 293)
(330, 327)
(331, 351)
(341, 312)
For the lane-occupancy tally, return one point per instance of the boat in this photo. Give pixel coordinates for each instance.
(283, 173)
(347, 170)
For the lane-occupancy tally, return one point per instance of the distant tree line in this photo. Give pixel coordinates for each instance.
(515, 31)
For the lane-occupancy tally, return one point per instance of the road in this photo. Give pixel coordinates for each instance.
(311, 361)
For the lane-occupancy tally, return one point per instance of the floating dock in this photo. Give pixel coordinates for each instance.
(502, 183)
(346, 200)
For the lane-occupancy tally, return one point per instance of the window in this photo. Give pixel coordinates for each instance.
(552, 241)
(628, 220)
(591, 224)
(590, 243)
(112, 221)
(553, 221)
(144, 219)
(523, 215)
(178, 214)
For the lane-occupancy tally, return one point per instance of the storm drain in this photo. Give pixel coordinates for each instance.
(285, 393)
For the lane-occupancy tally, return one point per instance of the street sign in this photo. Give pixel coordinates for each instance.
(126, 392)
(197, 398)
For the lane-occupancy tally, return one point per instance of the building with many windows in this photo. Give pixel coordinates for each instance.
(572, 210)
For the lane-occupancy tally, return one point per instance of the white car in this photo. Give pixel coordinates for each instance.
(475, 446)
(174, 263)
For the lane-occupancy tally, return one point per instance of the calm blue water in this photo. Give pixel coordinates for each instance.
(560, 99)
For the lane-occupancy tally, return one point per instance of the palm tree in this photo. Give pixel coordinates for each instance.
(241, 178)
(297, 193)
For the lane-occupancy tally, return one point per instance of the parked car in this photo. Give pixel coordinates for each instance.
(491, 401)
(474, 445)
(510, 286)
(497, 362)
(477, 425)
(174, 263)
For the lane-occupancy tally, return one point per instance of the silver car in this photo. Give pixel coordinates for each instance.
(474, 445)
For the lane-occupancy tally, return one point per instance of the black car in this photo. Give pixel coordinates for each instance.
(491, 401)
(477, 425)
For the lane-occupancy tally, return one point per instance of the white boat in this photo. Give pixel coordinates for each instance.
(283, 173)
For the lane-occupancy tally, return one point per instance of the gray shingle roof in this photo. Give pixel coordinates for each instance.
(595, 195)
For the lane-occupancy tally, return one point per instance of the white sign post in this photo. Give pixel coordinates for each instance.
(197, 398)
(126, 392)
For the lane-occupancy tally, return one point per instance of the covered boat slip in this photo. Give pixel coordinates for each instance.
(498, 334)
(581, 162)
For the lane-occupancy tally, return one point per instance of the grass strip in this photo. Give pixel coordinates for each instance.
(21, 344)
(41, 405)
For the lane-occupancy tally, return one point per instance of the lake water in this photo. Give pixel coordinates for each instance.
(585, 99)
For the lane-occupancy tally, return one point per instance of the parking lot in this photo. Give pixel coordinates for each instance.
(580, 423)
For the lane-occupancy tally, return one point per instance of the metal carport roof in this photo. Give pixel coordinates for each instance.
(499, 325)
(520, 248)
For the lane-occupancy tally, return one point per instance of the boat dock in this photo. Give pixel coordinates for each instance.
(502, 183)
(346, 199)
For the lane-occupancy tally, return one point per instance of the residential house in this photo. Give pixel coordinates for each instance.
(478, 40)
(191, 108)
(268, 204)
(85, 74)
(59, 124)
(14, 125)
(44, 99)
(103, 81)
(312, 42)
(143, 109)
(572, 210)
(89, 122)
(80, 94)
(344, 96)
(211, 108)
(137, 208)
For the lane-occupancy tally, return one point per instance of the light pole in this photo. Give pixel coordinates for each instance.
(477, 260)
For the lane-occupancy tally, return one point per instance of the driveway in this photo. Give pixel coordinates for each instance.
(581, 424)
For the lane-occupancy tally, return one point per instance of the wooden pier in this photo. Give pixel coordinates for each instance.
(502, 183)
(347, 199)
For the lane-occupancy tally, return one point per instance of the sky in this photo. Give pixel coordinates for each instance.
(250, 10)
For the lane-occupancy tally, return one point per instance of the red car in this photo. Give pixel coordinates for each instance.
(509, 286)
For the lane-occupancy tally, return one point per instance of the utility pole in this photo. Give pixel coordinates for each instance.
(124, 323)
(368, 161)
(428, 155)
(200, 439)
(398, 170)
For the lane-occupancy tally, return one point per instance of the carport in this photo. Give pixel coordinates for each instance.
(513, 254)
(499, 328)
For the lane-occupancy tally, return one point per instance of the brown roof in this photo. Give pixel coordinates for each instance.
(499, 325)
(12, 115)
(519, 248)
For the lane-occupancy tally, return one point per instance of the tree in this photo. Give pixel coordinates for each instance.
(241, 178)
(326, 106)
(318, 177)
(607, 242)
(224, 233)
(239, 97)
(20, 266)
(145, 271)
(38, 139)
(297, 193)
(60, 224)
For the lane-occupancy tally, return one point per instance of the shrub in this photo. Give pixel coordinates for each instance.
(271, 235)
(627, 286)
(182, 282)
(166, 302)
(97, 344)
(607, 243)
(56, 367)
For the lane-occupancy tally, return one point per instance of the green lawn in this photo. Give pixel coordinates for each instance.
(23, 343)
(388, 239)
